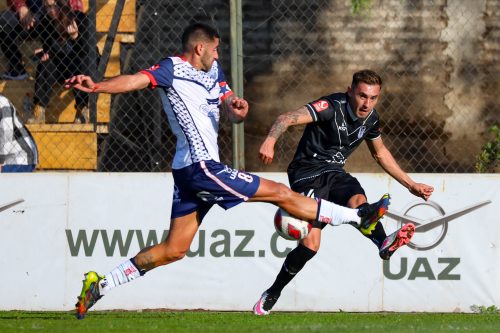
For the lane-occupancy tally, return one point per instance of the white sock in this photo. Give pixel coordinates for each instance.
(333, 214)
(123, 273)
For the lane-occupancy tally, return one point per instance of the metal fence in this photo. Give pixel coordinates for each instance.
(439, 61)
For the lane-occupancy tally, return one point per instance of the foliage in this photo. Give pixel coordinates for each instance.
(489, 156)
(485, 310)
(360, 6)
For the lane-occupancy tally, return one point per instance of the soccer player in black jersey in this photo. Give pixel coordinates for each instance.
(336, 126)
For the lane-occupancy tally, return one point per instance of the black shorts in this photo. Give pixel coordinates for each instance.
(337, 187)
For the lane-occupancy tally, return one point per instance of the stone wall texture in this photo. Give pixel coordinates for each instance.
(439, 61)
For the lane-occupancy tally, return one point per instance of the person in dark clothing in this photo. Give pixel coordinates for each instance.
(65, 52)
(17, 23)
(336, 125)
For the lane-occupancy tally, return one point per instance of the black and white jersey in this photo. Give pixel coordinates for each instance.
(332, 136)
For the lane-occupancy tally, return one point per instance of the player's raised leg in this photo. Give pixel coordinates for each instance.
(310, 209)
(373, 213)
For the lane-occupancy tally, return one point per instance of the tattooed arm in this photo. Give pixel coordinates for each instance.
(300, 116)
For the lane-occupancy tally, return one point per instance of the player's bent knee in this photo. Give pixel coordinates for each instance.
(314, 247)
(312, 244)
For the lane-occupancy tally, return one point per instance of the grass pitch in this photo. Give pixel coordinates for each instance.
(239, 322)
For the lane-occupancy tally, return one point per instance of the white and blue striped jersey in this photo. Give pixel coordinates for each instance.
(191, 100)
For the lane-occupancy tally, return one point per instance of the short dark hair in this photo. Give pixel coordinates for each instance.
(367, 76)
(197, 32)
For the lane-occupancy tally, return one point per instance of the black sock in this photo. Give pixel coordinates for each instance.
(294, 262)
(378, 234)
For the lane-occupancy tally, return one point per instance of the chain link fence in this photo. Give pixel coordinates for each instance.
(439, 61)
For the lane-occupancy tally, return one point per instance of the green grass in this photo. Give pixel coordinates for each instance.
(236, 322)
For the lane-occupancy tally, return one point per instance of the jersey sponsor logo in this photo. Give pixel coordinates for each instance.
(233, 173)
(211, 111)
(177, 195)
(320, 105)
(361, 131)
(338, 158)
(208, 197)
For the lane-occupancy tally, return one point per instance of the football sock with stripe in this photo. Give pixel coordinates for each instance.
(334, 214)
(123, 273)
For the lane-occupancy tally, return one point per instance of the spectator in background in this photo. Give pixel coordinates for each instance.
(18, 152)
(65, 35)
(17, 23)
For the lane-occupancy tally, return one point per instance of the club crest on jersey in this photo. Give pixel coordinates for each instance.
(212, 101)
(361, 131)
(320, 105)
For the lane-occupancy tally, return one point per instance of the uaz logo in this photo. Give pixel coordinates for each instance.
(429, 233)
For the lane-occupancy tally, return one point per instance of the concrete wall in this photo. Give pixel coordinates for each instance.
(65, 224)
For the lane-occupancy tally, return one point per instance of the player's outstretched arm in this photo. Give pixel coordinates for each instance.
(385, 159)
(300, 116)
(115, 85)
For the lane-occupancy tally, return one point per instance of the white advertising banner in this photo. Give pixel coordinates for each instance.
(56, 226)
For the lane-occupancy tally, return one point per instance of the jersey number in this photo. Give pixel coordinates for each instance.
(246, 177)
